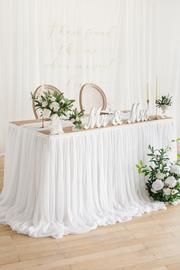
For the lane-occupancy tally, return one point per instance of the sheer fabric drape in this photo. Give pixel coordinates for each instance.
(71, 184)
(119, 45)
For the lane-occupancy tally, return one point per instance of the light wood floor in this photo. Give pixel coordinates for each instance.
(150, 242)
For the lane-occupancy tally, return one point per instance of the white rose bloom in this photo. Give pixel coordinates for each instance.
(46, 113)
(40, 99)
(53, 99)
(167, 168)
(160, 175)
(54, 106)
(171, 181)
(167, 191)
(153, 190)
(174, 191)
(44, 104)
(175, 169)
(157, 185)
(167, 164)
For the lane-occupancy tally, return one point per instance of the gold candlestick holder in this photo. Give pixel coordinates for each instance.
(156, 113)
(157, 116)
(148, 104)
(148, 115)
(42, 123)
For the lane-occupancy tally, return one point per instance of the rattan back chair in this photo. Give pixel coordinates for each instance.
(90, 96)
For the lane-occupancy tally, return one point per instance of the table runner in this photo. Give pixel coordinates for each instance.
(72, 183)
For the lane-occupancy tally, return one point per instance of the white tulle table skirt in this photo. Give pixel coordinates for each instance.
(72, 183)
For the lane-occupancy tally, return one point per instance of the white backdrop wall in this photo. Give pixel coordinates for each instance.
(118, 44)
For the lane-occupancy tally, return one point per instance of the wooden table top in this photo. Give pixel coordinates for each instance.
(69, 129)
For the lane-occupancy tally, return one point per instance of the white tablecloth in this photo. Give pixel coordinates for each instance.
(71, 183)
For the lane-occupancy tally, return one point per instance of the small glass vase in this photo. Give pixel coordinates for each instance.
(164, 109)
(56, 125)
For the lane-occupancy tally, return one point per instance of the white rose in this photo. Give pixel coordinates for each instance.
(157, 185)
(171, 181)
(167, 164)
(160, 175)
(175, 169)
(167, 191)
(54, 106)
(44, 104)
(46, 113)
(174, 191)
(153, 190)
(53, 99)
(167, 168)
(40, 99)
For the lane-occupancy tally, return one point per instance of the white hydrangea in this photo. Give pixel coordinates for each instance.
(175, 169)
(54, 106)
(174, 191)
(44, 104)
(160, 175)
(171, 181)
(167, 191)
(157, 185)
(46, 113)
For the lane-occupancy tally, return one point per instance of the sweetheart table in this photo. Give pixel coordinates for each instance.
(71, 183)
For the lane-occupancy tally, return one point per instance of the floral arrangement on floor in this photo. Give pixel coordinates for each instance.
(55, 104)
(162, 175)
(164, 101)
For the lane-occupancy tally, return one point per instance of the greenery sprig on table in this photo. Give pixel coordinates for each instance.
(76, 116)
(162, 175)
(164, 101)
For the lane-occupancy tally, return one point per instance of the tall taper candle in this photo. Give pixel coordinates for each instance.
(156, 88)
(148, 96)
(148, 91)
(42, 122)
(156, 97)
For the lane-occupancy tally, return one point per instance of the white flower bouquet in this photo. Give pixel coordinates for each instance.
(162, 175)
(50, 104)
(164, 101)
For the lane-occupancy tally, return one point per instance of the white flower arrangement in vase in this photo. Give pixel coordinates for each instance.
(164, 103)
(53, 106)
(162, 176)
